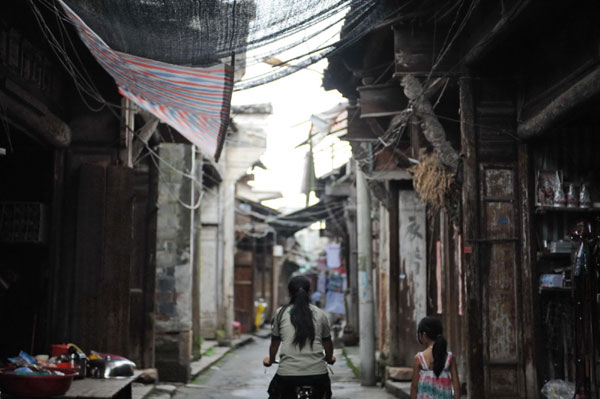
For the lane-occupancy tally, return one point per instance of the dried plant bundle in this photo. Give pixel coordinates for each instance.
(432, 181)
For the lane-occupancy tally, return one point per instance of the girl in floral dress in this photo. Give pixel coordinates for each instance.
(434, 370)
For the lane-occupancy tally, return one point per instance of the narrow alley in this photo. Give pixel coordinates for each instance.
(414, 183)
(240, 374)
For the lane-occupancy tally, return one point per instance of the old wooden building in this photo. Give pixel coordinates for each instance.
(77, 224)
(503, 95)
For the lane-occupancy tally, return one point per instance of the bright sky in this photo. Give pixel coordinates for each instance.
(294, 98)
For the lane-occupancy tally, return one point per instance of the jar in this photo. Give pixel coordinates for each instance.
(572, 197)
(585, 200)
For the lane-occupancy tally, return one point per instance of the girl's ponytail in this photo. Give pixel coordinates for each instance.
(432, 326)
(301, 315)
(439, 352)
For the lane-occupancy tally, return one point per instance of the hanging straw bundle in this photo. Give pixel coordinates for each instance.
(432, 181)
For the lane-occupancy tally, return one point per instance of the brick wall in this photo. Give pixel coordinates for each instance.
(174, 269)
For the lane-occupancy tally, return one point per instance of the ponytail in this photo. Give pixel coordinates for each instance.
(432, 327)
(439, 352)
(301, 315)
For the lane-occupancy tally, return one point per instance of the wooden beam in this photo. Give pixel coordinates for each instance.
(497, 32)
(568, 101)
(49, 127)
(432, 128)
(381, 100)
(358, 130)
(389, 175)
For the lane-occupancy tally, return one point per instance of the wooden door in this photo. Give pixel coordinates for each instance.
(143, 270)
(500, 271)
(102, 272)
(243, 303)
(497, 275)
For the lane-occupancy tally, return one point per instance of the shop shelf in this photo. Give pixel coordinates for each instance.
(553, 255)
(548, 208)
(563, 290)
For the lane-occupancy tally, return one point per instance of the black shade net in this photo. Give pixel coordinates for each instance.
(206, 32)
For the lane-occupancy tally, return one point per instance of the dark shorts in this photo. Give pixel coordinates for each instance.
(284, 386)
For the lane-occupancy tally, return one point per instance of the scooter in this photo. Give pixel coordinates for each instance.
(304, 392)
(307, 391)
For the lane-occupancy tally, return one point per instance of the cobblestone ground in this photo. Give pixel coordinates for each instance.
(241, 375)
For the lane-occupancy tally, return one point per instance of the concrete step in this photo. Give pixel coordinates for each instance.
(398, 389)
(140, 391)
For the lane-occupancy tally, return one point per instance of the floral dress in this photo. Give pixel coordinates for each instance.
(432, 387)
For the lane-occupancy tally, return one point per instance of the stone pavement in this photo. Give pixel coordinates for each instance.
(212, 353)
(398, 389)
(240, 374)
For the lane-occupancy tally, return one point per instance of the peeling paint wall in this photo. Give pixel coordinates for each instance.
(413, 272)
(209, 267)
(384, 271)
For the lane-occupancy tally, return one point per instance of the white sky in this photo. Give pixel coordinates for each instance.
(294, 98)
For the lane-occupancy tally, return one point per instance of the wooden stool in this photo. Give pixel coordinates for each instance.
(237, 329)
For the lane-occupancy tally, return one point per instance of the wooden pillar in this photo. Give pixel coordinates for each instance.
(350, 216)
(56, 218)
(394, 276)
(86, 275)
(470, 190)
(116, 273)
(529, 343)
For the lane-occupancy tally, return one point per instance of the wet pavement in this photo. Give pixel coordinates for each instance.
(240, 374)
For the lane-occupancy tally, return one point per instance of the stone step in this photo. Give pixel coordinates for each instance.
(140, 391)
(400, 374)
(398, 389)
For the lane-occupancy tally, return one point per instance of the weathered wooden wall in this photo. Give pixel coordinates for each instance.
(143, 265)
(102, 267)
(499, 292)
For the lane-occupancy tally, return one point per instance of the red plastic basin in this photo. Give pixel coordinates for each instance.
(35, 385)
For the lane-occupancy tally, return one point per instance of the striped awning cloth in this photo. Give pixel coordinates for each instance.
(194, 101)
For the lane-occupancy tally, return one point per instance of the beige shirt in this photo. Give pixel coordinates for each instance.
(309, 360)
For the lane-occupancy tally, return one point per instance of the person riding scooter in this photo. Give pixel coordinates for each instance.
(302, 331)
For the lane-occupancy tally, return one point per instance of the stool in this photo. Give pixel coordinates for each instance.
(237, 329)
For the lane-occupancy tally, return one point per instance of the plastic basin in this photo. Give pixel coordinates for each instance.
(35, 385)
